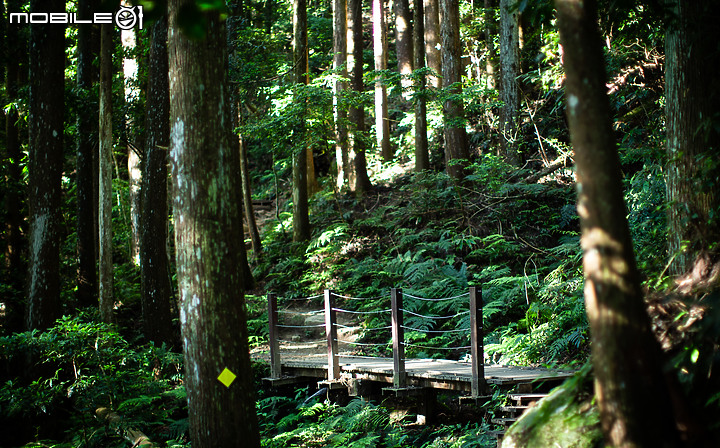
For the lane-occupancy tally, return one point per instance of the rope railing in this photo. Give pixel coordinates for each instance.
(427, 347)
(397, 327)
(421, 330)
(340, 310)
(442, 299)
(358, 298)
(450, 316)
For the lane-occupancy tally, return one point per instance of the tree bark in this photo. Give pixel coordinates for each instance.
(382, 125)
(233, 25)
(634, 402)
(509, 71)
(14, 241)
(105, 175)
(432, 41)
(340, 31)
(422, 156)
(404, 43)
(301, 216)
(132, 95)
(247, 200)
(693, 143)
(456, 150)
(206, 184)
(359, 181)
(491, 55)
(85, 165)
(154, 268)
(46, 129)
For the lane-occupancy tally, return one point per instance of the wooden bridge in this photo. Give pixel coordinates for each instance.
(336, 370)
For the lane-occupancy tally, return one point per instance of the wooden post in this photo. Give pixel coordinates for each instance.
(476, 342)
(398, 337)
(275, 366)
(331, 332)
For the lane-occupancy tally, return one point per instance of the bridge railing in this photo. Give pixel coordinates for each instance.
(397, 313)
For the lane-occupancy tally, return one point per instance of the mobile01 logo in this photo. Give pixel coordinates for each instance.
(125, 18)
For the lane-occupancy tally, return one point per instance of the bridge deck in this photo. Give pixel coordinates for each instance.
(432, 373)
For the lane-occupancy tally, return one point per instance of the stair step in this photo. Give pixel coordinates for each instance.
(513, 409)
(526, 399)
(507, 421)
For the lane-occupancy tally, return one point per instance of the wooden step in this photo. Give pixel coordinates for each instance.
(505, 421)
(513, 410)
(526, 399)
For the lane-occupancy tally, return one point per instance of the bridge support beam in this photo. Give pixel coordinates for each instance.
(332, 340)
(478, 386)
(398, 338)
(275, 366)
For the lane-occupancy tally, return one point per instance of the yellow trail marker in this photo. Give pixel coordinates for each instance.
(226, 377)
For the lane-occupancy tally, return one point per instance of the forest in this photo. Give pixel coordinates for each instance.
(178, 175)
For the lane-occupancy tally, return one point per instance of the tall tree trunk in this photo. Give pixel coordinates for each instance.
(301, 218)
(634, 402)
(340, 31)
(247, 200)
(456, 150)
(85, 164)
(509, 71)
(105, 175)
(233, 25)
(693, 143)
(46, 126)
(432, 41)
(422, 156)
(206, 184)
(154, 269)
(490, 31)
(359, 181)
(132, 95)
(14, 242)
(404, 43)
(382, 125)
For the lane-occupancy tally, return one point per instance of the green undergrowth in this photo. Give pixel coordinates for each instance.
(434, 238)
(299, 421)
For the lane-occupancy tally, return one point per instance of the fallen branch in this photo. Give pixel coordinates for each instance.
(554, 166)
(137, 438)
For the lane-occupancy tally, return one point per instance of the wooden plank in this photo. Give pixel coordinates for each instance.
(331, 333)
(274, 337)
(477, 353)
(398, 338)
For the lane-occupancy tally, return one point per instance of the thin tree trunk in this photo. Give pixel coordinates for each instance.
(359, 181)
(634, 402)
(301, 217)
(105, 175)
(46, 126)
(14, 243)
(340, 31)
(247, 199)
(404, 43)
(491, 55)
(86, 163)
(693, 144)
(206, 185)
(233, 25)
(422, 156)
(154, 269)
(382, 125)
(132, 95)
(509, 71)
(456, 150)
(432, 41)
